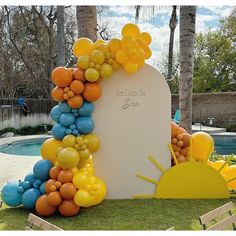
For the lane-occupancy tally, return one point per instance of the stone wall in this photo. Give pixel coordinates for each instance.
(220, 106)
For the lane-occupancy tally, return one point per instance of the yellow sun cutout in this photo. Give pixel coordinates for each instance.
(189, 180)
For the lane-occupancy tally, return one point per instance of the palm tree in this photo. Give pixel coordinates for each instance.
(172, 24)
(87, 21)
(187, 38)
(60, 36)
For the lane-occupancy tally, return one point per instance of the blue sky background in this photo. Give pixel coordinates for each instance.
(157, 24)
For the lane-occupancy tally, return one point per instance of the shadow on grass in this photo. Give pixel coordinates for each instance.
(138, 214)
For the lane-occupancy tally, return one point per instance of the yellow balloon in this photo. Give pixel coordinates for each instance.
(141, 63)
(49, 149)
(82, 198)
(114, 45)
(98, 41)
(68, 141)
(106, 70)
(130, 29)
(97, 56)
(146, 37)
(121, 57)
(115, 66)
(148, 53)
(90, 170)
(93, 142)
(127, 43)
(229, 174)
(83, 62)
(84, 154)
(74, 170)
(91, 74)
(131, 67)
(103, 47)
(68, 158)
(218, 164)
(202, 146)
(140, 43)
(100, 193)
(82, 47)
(80, 180)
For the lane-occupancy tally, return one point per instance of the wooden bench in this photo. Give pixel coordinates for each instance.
(171, 228)
(223, 224)
(34, 220)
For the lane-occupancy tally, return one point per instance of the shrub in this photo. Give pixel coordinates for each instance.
(231, 158)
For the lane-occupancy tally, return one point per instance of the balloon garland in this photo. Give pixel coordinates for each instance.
(64, 180)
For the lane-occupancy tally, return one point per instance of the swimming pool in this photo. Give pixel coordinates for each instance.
(225, 144)
(23, 148)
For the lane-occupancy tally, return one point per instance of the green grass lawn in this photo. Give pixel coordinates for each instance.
(137, 214)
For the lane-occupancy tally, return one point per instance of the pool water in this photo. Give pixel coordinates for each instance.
(25, 148)
(225, 144)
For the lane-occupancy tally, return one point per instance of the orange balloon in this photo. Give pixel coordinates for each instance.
(43, 208)
(75, 102)
(92, 92)
(58, 184)
(78, 74)
(174, 129)
(57, 94)
(68, 191)
(174, 141)
(49, 183)
(184, 151)
(180, 143)
(54, 198)
(175, 148)
(61, 76)
(179, 137)
(77, 86)
(186, 139)
(54, 171)
(65, 176)
(68, 208)
(181, 159)
(182, 130)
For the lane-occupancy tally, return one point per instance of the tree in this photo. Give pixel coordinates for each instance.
(60, 36)
(215, 53)
(187, 37)
(172, 24)
(87, 22)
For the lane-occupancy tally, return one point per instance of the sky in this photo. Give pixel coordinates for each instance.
(157, 24)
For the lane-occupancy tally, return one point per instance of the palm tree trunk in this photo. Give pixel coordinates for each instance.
(172, 25)
(60, 36)
(87, 21)
(187, 38)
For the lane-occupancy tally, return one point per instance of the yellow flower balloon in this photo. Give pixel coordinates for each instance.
(83, 62)
(121, 57)
(146, 37)
(82, 47)
(114, 45)
(218, 164)
(229, 174)
(49, 149)
(91, 74)
(101, 192)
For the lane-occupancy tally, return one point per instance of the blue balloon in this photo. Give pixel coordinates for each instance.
(41, 169)
(64, 107)
(72, 127)
(55, 114)
(42, 188)
(68, 131)
(30, 197)
(86, 109)
(67, 119)
(85, 125)
(20, 189)
(58, 131)
(31, 178)
(26, 185)
(75, 132)
(10, 194)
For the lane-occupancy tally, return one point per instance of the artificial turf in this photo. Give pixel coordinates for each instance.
(136, 214)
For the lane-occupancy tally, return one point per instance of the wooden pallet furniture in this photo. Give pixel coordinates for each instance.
(34, 220)
(222, 224)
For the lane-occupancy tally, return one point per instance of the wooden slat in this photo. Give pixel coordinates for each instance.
(204, 219)
(223, 224)
(171, 229)
(43, 224)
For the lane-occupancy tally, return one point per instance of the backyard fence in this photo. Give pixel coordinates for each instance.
(220, 106)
